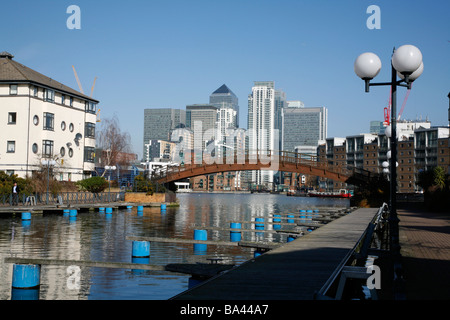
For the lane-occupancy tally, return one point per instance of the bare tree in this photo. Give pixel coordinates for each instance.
(114, 143)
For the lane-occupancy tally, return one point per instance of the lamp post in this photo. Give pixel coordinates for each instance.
(48, 163)
(109, 168)
(406, 63)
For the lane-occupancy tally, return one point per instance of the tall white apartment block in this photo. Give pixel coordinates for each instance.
(41, 118)
(263, 133)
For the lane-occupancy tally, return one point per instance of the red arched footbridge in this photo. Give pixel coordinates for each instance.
(281, 161)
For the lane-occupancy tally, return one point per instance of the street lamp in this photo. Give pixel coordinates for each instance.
(109, 168)
(407, 64)
(48, 163)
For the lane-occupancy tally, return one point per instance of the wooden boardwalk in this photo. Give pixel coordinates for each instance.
(294, 271)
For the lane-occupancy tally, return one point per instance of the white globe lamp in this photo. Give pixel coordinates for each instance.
(413, 75)
(367, 66)
(406, 59)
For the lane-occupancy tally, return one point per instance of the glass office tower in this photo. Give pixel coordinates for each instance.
(159, 122)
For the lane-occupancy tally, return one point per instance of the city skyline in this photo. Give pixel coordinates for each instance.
(147, 55)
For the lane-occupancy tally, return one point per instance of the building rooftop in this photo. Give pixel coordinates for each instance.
(13, 71)
(223, 90)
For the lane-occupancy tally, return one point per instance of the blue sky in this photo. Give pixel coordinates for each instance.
(148, 54)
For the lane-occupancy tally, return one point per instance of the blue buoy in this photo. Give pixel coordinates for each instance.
(129, 207)
(25, 294)
(290, 238)
(290, 220)
(235, 236)
(302, 211)
(200, 235)
(26, 215)
(66, 212)
(276, 226)
(109, 210)
(26, 276)
(141, 249)
(259, 226)
(101, 209)
(140, 208)
(73, 213)
(26, 223)
(257, 253)
(163, 206)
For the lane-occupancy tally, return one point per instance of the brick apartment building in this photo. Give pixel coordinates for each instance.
(419, 150)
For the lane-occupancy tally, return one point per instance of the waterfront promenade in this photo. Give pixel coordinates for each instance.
(425, 249)
(294, 271)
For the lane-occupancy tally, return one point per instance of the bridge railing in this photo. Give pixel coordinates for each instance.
(196, 160)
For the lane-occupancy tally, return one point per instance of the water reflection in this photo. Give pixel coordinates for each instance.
(98, 236)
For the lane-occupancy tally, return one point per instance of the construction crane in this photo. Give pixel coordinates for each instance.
(387, 110)
(92, 89)
(79, 82)
(81, 90)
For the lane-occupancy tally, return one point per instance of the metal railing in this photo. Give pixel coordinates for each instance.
(354, 265)
(62, 198)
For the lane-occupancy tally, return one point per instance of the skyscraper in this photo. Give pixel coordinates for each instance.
(303, 126)
(158, 124)
(204, 115)
(223, 97)
(263, 103)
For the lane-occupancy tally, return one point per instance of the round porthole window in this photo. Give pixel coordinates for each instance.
(71, 152)
(34, 148)
(36, 120)
(71, 127)
(62, 151)
(63, 125)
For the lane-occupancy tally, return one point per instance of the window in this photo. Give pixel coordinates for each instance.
(71, 101)
(13, 89)
(36, 120)
(11, 147)
(89, 154)
(62, 152)
(34, 148)
(47, 148)
(63, 125)
(71, 127)
(63, 99)
(49, 95)
(12, 117)
(70, 152)
(90, 107)
(35, 91)
(49, 121)
(89, 130)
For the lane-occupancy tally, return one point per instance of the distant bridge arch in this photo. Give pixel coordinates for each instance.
(281, 161)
